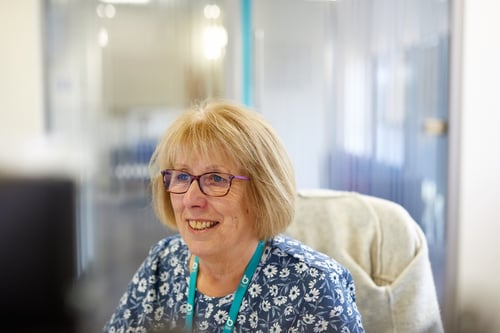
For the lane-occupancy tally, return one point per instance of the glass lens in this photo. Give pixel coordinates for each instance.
(176, 181)
(215, 183)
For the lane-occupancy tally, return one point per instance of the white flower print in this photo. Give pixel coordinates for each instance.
(284, 273)
(253, 320)
(308, 318)
(313, 272)
(152, 279)
(312, 295)
(126, 314)
(265, 305)
(221, 316)
(204, 325)
(351, 288)
(143, 283)
(164, 253)
(225, 300)
(164, 289)
(241, 319)
(312, 283)
(270, 271)
(345, 330)
(164, 276)
(159, 313)
(349, 311)
(321, 326)
(273, 290)
(174, 261)
(170, 302)
(178, 270)
(151, 295)
(337, 311)
(148, 308)
(279, 300)
(334, 277)
(340, 295)
(244, 305)
(210, 309)
(123, 299)
(112, 330)
(174, 247)
(254, 290)
(276, 328)
(300, 267)
(288, 310)
(135, 279)
(294, 293)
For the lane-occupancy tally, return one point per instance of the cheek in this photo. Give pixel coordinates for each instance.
(176, 202)
(245, 205)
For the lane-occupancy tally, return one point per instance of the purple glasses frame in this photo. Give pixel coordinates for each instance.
(166, 182)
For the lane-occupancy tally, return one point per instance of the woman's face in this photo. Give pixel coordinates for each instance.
(213, 226)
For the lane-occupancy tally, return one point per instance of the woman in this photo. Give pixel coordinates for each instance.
(222, 178)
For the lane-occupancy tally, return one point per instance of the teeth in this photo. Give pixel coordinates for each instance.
(200, 225)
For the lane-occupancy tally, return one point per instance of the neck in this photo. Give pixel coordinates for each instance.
(221, 276)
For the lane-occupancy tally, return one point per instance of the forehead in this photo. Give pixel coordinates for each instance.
(203, 160)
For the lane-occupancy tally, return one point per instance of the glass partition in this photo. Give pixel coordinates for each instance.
(357, 90)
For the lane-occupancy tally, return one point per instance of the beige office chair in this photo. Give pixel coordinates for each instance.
(385, 251)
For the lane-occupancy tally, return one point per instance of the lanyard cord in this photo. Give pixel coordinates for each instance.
(238, 297)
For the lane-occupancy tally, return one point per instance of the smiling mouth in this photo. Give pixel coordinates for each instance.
(202, 225)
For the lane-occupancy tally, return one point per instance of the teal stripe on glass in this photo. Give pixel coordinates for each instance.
(246, 37)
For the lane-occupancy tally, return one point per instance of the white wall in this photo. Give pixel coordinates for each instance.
(25, 147)
(21, 92)
(479, 199)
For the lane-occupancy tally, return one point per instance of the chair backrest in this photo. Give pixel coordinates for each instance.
(384, 249)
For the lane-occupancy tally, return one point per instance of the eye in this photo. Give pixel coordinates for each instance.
(182, 177)
(216, 178)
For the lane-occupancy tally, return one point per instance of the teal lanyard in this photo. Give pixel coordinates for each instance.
(238, 296)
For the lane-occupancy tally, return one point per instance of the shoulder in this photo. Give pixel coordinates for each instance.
(152, 284)
(170, 246)
(167, 254)
(299, 253)
(289, 261)
(307, 285)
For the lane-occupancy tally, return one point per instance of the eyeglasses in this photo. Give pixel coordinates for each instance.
(214, 184)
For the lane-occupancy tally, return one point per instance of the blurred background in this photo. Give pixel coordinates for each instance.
(393, 98)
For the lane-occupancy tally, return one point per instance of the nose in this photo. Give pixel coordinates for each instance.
(194, 196)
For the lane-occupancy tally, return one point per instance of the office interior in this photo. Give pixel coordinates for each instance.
(396, 99)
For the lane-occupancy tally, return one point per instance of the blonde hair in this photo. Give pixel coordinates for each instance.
(244, 137)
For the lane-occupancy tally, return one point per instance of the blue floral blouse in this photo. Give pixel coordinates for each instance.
(295, 289)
